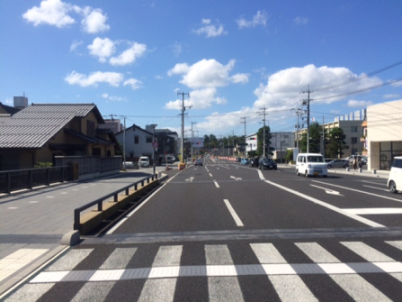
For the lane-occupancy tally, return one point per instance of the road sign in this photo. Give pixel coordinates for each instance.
(155, 144)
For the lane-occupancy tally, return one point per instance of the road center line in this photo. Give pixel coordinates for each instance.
(233, 213)
(216, 184)
(210, 174)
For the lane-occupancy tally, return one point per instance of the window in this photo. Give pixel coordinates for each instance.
(354, 140)
(136, 139)
(353, 129)
(149, 139)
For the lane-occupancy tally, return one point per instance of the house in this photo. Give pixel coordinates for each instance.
(136, 142)
(6, 111)
(40, 132)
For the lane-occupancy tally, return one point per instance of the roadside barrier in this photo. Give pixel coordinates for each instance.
(105, 209)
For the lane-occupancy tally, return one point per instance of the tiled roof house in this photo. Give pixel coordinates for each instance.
(39, 132)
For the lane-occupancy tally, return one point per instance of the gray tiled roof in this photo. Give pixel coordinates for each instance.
(33, 126)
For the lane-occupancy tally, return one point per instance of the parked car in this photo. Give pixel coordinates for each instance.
(128, 164)
(394, 182)
(267, 163)
(338, 163)
(244, 161)
(198, 162)
(311, 164)
(253, 162)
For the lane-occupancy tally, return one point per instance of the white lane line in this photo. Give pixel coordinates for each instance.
(261, 175)
(224, 167)
(373, 182)
(233, 213)
(117, 225)
(374, 211)
(328, 206)
(364, 192)
(376, 188)
(210, 174)
(216, 184)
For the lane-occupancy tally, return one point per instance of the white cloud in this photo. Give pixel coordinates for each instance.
(397, 84)
(210, 30)
(57, 13)
(102, 48)
(113, 98)
(258, 19)
(177, 48)
(134, 83)
(130, 55)
(300, 20)
(240, 78)
(111, 78)
(391, 96)
(204, 73)
(75, 45)
(51, 12)
(94, 20)
(217, 122)
(360, 104)
(284, 87)
(8, 102)
(199, 99)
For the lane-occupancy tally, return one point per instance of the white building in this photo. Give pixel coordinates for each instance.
(138, 142)
(384, 134)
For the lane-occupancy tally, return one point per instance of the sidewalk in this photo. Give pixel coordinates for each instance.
(32, 223)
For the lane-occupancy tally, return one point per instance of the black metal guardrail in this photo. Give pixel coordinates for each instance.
(115, 194)
(13, 180)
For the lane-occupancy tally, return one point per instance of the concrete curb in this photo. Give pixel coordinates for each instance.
(71, 238)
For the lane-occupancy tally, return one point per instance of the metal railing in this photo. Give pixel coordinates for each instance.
(13, 180)
(115, 194)
(91, 164)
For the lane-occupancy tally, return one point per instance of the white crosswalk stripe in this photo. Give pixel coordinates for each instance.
(221, 273)
(162, 289)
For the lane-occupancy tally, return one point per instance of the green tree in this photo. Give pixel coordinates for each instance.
(315, 139)
(336, 143)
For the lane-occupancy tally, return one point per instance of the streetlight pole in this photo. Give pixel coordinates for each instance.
(153, 145)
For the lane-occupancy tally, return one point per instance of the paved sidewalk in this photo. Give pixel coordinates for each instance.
(32, 223)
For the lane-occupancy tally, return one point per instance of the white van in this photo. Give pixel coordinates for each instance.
(394, 182)
(143, 161)
(311, 164)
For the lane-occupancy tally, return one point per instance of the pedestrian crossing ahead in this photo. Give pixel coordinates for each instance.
(275, 271)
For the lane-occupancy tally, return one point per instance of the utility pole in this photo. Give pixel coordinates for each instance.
(124, 144)
(263, 139)
(307, 102)
(323, 137)
(183, 94)
(245, 123)
(192, 140)
(299, 113)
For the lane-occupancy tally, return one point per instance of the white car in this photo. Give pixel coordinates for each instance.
(143, 161)
(394, 182)
(311, 164)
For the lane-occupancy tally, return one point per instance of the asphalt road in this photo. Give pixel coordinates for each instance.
(226, 232)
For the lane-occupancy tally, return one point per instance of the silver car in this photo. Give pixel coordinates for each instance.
(338, 163)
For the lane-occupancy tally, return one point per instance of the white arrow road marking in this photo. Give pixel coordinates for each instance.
(328, 191)
(190, 179)
(236, 178)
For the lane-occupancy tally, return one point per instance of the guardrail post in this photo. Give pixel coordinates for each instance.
(100, 206)
(30, 180)
(147, 180)
(8, 183)
(115, 197)
(127, 191)
(48, 176)
(142, 182)
(135, 186)
(76, 219)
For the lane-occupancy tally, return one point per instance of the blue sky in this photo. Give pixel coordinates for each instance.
(130, 58)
